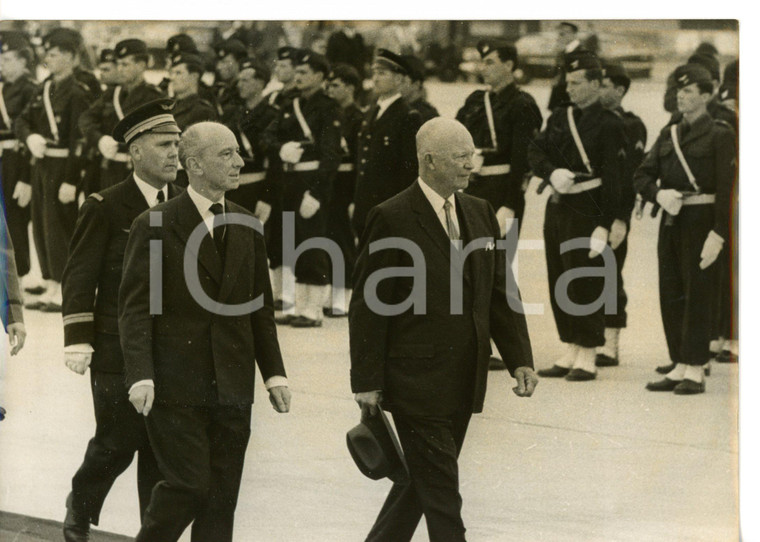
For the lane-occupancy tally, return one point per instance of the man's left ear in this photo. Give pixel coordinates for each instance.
(429, 161)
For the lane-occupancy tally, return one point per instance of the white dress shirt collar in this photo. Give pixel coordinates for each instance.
(385, 103)
(203, 204)
(149, 192)
(436, 201)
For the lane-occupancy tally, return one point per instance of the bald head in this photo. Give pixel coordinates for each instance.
(197, 137)
(210, 155)
(444, 152)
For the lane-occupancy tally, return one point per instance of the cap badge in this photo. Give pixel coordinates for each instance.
(574, 64)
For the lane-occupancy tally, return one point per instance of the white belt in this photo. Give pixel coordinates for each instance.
(250, 178)
(497, 169)
(699, 199)
(8, 144)
(577, 188)
(312, 165)
(120, 157)
(346, 167)
(57, 153)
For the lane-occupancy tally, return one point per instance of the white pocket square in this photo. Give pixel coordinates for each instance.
(490, 245)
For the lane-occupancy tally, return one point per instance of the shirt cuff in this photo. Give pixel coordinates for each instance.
(142, 383)
(79, 348)
(275, 381)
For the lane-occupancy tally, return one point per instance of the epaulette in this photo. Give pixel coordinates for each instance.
(96, 196)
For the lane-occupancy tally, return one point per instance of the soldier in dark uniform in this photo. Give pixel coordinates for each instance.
(182, 43)
(615, 85)
(386, 158)
(107, 69)
(229, 54)
(306, 135)
(17, 90)
(413, 90)
(585, 177)
(695, 161)
(671, 88)
(502, 120)
(99, 120)
(568, 42)
(343, 84)
(91, 334)
(48, 126)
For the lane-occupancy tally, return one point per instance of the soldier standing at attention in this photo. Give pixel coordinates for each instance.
(582, 154)
(615, 85)
(568, 43)
(695, 161)
(185, 74)
(101, 117)
(413, 90)
(502, 120)
(229, 54)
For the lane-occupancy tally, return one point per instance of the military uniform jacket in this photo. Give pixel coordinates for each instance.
(709, 147)
(90, 283)
(69, 99)
(636, 135)
(517, 120)
(426, 110)
(187, 111)
(387, 156)
(101, 117)
(228, 101)
(16, 96)
(323, 116)
(603, 135)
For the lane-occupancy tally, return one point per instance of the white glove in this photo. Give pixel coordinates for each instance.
(77, 361)
(477, 162)
(22, 194)
(291, 152)
(309, 205)
(598, 241)
(67, 193)
(562, 179)
(711, 250)
(351, 209)
(506, 218)
(37, 145)
(617, 233)
(670, 200)
(262, 211)
(108, 146)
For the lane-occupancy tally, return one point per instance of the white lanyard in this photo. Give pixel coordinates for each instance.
(489, 116)
(49, 109)
(682, 158)
(4, 109)
(246, 144)
(302, 120)
(577, 139)
(117, 103)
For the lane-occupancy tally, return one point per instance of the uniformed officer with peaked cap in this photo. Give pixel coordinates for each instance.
(91, 334)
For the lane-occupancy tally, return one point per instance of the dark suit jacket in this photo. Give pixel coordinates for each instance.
(91, 279)
(427, 364)
(194, 356)
(11, 302)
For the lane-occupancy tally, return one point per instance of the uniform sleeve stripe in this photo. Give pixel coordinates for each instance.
(78, 318)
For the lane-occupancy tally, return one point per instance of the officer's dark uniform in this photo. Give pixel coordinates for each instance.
(425, 109)
(386, 159)
(516, 120)
(54, 221)
(193, 109)
(577, 215)
(15, 157)
(105, 113)
(90, 292)
(709, 148)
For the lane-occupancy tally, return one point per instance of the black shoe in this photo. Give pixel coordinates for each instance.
(707, 369)
(603, 360)
(285, 319)
(665, 369)
(334, 313)
(280, 305)
(725, 356)
(496, 364)
(665, 384)
(580, 375)
(554, 372)
(689, 387)
(76, 527)
(303, 321)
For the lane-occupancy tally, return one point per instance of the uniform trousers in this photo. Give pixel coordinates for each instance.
(339, 227)
(619, 318)
(564, 223)
(17, 218)
(53, 222)
(686, 291)
(200, 451)
(492, 189)
(119, 433)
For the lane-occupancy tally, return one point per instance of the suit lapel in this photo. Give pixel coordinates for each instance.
(238, 244)
(132, 197)
(468, 233)
(188, 218)
(428, 220)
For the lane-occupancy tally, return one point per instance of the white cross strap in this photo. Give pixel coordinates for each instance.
(4, 109)
(49, 109)
(117, 102)
(681, 157)
(489, 116)
(577, 139)
(302, 120)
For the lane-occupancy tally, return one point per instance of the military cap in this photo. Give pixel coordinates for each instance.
(416, 68)
(129, 47)
(617, 73)
(106, 56)
(730, 81)
(65, 39)
(688, 74)
(710, 63)
(286, 53)
(582, 60)
(706, 48)
(193, 62)
(231, 47)
(346, 73)
(571, 26)
(506, 50)
(261, 71)
(315, 61)
(181, 43)
(151, 118)
(14, 41)
(386, 59)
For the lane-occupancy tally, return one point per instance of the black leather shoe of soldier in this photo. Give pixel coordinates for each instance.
(580, 375)
(285, 319)
(689, 387)
(554, 372)
(334, 313)
(280, 305)
(665, 384)
(76, 528)
(603, 360)
(303, 321)
(726, 356)
(665, 369)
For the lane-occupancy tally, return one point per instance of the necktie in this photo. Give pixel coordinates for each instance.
(219, 228)
(450, 224)
(160, 198)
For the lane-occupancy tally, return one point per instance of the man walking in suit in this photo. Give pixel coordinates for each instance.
(427, 362)
(90, 294)
(190, 339)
